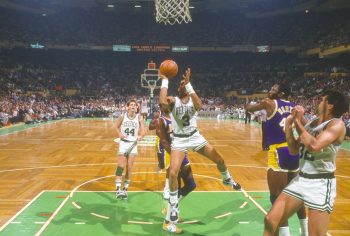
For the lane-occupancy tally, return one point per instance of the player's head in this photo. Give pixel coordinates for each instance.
(132, 105)
(334, 102)
(156, 114)
(182, 90)
(280, 90)
(163, 109)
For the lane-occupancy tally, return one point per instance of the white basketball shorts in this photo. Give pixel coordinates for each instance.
(123, 146)
(194, 142)
(318, 194)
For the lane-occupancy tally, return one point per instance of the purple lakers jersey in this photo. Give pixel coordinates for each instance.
(168, 128)
(275, 123)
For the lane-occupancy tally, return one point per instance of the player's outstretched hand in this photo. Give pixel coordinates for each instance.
(186, 76)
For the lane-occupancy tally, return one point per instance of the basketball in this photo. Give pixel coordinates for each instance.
(168, 68)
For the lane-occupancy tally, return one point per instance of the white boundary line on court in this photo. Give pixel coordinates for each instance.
(76, 205)
(243, 205)
(18, 213)
(52, 216)
(223, 215)
(140, 222)
(99, 216)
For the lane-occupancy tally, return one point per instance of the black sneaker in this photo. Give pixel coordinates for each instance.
(174, 215)
(231, 182)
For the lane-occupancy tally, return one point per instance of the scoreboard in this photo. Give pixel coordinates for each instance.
(149, 48)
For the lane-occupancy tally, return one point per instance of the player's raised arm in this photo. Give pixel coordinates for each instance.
(164, 100)
(195, 99)
(265, 104)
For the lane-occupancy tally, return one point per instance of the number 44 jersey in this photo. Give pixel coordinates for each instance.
(130, 127)
(184, 117)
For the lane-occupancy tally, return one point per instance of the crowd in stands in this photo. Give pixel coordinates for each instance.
(34, 83)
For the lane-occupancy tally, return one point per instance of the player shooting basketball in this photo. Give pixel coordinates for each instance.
(183, 112)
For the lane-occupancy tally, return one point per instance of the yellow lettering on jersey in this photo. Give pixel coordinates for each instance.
(284, 109)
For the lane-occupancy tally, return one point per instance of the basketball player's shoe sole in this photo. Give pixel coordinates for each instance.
(172, 228)
(231, 182)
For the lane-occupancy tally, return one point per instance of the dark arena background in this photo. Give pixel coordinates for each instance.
(68, 67)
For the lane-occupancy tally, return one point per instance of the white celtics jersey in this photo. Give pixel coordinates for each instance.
(130, 127)
(183, 117)
(322, 161)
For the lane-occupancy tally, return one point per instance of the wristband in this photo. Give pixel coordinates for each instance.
(189, 89)
(165, 83)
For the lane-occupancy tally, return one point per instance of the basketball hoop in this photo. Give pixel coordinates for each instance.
(150, 79)
(172, 11)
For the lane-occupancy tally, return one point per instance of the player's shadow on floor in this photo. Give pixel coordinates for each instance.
(225, 226)
(119, 213)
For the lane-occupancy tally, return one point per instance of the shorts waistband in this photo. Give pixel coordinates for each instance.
(185, 135)
(278, 145)
(127, 141)
(317, 176)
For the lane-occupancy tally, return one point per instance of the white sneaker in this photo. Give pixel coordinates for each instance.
(166, 194)
(172, 228)
(125, 194)
(122, 194)
(119, 194)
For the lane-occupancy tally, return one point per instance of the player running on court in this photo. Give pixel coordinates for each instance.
(183, 112)
(130, 129)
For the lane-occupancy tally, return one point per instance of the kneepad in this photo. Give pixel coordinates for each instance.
(119, 171)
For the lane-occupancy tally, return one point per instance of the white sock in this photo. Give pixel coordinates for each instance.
(118, 184)
(304, 227)
(173, 200)
(284, 231)
(225, 174)
(126, 183)
(167, 216)
(166, 183)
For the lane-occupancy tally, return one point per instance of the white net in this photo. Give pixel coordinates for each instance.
(173, 11)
